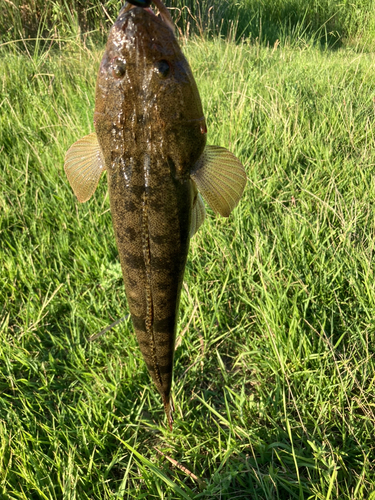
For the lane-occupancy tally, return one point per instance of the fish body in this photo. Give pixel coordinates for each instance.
(150, 136)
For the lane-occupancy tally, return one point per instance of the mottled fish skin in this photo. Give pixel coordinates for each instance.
(151, 129)
(150, 136)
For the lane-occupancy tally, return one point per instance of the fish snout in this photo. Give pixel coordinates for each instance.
(140, 3)
(146, 6)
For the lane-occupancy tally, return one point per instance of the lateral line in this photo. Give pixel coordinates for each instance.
(149, 322)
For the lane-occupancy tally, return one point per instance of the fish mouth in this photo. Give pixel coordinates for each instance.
(164, 14)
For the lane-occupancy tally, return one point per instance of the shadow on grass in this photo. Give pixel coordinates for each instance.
(263, 458)
(266, 22)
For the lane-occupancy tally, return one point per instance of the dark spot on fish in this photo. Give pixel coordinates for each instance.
(127, 235)
(156, 204)
(164, 370)
(146, 343)
(133, 282)
(166, 285)
(159, 239)
(137, 191)
(139, 323)
(160, 264)
(165, 325)
(134, 261)
(131, 233)
(162, 68)
(129, 206)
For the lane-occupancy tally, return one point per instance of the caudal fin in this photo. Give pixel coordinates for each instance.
(169, 409)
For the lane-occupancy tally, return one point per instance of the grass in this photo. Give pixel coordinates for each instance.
(330, 22)
(274, 370)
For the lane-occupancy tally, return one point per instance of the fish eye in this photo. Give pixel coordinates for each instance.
(162, 67)
(118, 68)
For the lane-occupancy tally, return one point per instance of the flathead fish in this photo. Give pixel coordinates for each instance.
(150, 137)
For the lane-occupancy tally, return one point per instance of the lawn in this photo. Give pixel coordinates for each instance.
(274, 379)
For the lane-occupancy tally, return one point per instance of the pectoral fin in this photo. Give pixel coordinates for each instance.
(83, 166)
(220, 178)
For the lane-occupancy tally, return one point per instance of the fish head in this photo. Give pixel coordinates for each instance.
(146, 95)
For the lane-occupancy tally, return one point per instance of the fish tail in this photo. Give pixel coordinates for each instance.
(169, 409)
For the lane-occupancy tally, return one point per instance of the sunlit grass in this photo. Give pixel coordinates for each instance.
(274, 378)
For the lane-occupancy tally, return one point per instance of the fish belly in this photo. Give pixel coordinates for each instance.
(151, 219)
